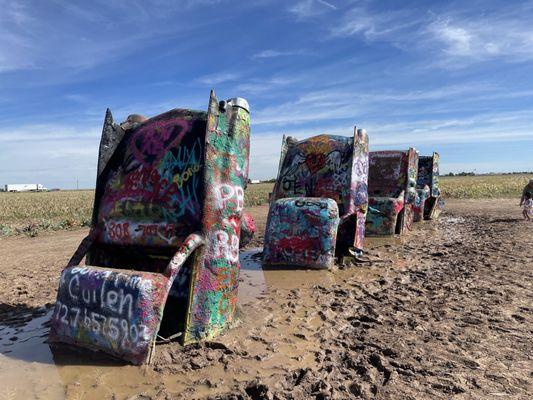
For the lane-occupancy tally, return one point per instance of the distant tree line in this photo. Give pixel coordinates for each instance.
(489, 173)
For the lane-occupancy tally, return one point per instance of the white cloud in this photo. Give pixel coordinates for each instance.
(454, 39)
(350, 102)
(505, 127)
(261, 86)
(478, 128)
(275, 53)
(54, 155)
(310, 8)
(486, 38)
(218, 78)
(375, 25)
(15, 45)
(458, 40)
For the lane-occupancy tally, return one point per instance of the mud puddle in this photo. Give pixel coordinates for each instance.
(30, 368)
(279, 329)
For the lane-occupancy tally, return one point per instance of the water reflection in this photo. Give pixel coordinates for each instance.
(31, 368)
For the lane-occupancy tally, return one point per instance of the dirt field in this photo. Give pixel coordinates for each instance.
(444, 313)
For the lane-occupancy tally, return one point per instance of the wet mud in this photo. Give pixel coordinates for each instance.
(445, 312)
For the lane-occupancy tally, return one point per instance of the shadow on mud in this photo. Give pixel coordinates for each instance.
(505, 220)
(14, 315)
(65, 354)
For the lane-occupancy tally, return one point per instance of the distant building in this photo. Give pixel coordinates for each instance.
(25, 187)
(255, 181)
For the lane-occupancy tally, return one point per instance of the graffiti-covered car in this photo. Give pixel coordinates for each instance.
(392, 191)
(429, 204)
(162, 256)
(318, 206)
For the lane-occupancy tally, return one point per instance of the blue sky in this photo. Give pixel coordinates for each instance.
(456, 77)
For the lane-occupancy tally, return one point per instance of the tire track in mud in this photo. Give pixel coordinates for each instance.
(456, 323)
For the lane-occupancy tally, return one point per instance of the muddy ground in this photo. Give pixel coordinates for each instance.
(445, 312)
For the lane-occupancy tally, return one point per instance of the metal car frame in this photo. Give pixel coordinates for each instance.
(430, 204)
(162, 255)
(392, 191)
(318, 206)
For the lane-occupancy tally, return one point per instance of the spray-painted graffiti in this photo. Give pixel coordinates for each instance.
(226, 245)
(359, 190)
(421, 197)
(302, 232)
(425, 170)
(428, 175)
(109, 310)
(318, 167)
(127, 232)
(248, 229)
(216, 277)
(167, 187)
(154, 190)
(324, 167)
(230, 196)
(392, 190)
(382, 217)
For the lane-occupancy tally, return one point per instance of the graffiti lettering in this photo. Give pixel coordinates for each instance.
(180, 179)
(310, 203)
(228, 196)
(118, 230)
(115, 300)
(126, 232)
(317, 167)
(226, 246)
(102, 303)
(301, 232)
(120, 330)
(136, 209)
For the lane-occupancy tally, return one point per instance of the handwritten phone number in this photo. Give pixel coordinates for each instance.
(114, 328)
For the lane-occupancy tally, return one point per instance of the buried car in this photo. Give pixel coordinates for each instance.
(318, 206)
(162, 255)
(392, 191)
(428, 205)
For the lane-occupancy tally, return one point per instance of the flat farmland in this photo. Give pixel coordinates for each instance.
(484, 186)
(32, 213)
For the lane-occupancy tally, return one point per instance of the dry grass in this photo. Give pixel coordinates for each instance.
(31, 213)
(257, 193)
(483, 186)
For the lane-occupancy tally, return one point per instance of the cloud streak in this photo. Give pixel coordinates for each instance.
(457, 40)
(311, 8)
(275, 53)
(506, 38)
